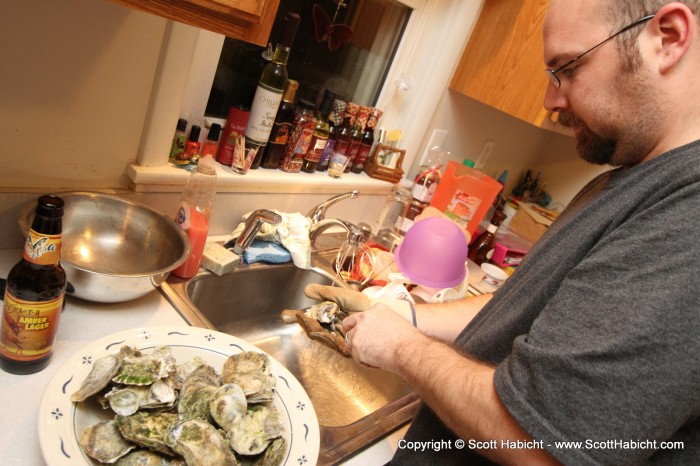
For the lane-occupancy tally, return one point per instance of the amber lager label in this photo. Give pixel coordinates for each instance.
(29, 328)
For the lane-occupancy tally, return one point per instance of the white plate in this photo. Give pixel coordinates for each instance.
(61, 421)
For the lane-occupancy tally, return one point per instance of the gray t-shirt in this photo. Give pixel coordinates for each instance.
(596, 337)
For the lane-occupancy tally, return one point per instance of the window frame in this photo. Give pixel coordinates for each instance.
(443, 25)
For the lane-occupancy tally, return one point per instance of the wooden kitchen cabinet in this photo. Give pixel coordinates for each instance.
(503, 66)
(248, 20)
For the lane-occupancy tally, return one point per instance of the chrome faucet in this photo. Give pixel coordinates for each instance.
(252, 224)
(319, 222)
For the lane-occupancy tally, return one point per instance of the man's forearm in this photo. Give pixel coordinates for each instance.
(462, 393)
(445, 321)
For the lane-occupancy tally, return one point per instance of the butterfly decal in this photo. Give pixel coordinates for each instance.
(325, 30)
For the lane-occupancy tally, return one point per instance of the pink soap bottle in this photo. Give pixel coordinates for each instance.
(194, 213)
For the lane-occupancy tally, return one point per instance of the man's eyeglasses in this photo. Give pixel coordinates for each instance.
(553, 74)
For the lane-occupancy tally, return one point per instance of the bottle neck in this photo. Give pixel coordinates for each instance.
(281, 54)
(43, 245)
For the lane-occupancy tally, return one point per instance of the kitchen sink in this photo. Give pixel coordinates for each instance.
(355, 405)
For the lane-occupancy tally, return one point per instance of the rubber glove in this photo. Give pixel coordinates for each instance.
(354, 301)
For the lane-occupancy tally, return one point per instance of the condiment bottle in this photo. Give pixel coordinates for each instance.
(298, 143)
(367, 141)
(407, 220)
(211, 145)
(335, 120)
(320, 135)
(481, 248)
(178, 145)
(281, 128)
(356, 136)
(194, 213)
(235, 126)
(34, 294)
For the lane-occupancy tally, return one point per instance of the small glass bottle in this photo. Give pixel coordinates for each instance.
(367, 141)
(335, 120)
(298, 143)
(235, 127)
(407, 220)
(211, 145)
(179, 139)
(281, 128)
(34, 294)
(321, 134)
(192, 147)
(481, 249)
(194, 213)
(356, 137)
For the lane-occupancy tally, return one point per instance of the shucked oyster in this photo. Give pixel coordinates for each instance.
(199, 443)
(103, 442)
(227, 405)
(251, 371)
(147, 429)
(102, 372)
(146, 369)
(252, 433)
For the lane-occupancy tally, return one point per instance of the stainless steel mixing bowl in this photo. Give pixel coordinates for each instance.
(114, 250)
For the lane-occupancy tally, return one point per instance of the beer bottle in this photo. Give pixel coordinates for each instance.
(34, 294)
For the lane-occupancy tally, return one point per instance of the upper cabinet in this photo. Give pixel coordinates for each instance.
(248, 20)
(502, 65)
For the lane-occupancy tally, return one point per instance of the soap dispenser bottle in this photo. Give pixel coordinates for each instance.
(194, 212)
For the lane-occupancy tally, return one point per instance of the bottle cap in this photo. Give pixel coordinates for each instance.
(50, 206)
(181, 124)
(206, 165)
(468, 163)
(194, 133)
(214, 132)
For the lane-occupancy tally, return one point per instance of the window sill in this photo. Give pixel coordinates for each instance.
(168, 178)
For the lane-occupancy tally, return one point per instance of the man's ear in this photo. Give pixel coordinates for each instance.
(676, 29)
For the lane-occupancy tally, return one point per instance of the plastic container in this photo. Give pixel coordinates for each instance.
(433, 253)
(465, 195)
(194, 213)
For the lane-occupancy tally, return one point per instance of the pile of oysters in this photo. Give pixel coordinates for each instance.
(175, 414)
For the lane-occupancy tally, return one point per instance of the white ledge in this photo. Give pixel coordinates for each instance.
(168, 178)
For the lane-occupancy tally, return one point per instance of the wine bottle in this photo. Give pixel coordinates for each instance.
(268, 94)
(367, 141)
(321, 133)
(34, 294)
(335, 119)
(281, 129)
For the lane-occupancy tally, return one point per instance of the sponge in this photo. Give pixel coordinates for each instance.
(218, 259)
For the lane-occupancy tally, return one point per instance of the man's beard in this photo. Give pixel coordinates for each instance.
(591, 147)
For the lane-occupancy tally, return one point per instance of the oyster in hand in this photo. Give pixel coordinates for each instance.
(200, 443)
(104, 442)
(251, 371)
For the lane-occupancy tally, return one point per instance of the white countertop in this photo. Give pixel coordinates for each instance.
(81, 323)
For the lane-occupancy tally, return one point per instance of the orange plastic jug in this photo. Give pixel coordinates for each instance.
(465, 195)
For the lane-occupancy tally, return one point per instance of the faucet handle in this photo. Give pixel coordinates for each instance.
(252, 224)
(318, 213)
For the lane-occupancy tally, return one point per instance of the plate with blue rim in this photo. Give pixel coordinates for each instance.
(61, 421)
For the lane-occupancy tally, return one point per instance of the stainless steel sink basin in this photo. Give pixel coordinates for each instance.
(355, 405)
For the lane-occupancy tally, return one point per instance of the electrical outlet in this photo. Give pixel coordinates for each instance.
(484, 154)
(437, 138)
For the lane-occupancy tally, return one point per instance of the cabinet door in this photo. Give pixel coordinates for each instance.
(248, 20)
(502, 65)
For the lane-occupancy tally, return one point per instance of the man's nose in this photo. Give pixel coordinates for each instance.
(554, 99)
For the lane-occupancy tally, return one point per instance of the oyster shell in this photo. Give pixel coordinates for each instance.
(251, 371)
(147, 458)
(146, 369)
(228, 404)
(199, 443)
(183, 371)
(194, 403)
(126, 400)
(273, 454)
(104, 442)
(251, 434)
(147, 429)
(102, 372)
